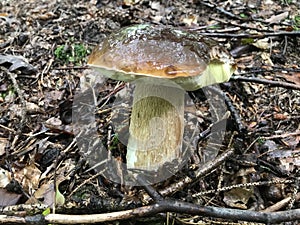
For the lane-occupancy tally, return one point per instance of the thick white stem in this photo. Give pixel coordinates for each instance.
(156, 126)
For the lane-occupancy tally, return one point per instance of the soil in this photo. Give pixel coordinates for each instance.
(44, 48)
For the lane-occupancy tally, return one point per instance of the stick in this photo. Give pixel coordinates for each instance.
(264, 81)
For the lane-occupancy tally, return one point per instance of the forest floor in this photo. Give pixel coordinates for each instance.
(44, 48)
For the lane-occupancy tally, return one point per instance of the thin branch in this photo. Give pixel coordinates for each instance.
(272, 70)
(264, 81)
(252, 184)
(281, 204)
(236, 24)
(204, 169)
(221, 10)
(72, 68)
(261, 35)
(150, 190)
(285, 135)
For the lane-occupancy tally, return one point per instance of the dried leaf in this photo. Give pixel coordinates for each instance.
(289, 159)
(17, 63)
(47, 16)
(190, 20)
(8, 198)
(55, 122)
(262, 44)
(270, 145)
(266, 57)
(237, 197)
(4, 178)
(280, 116)
(46, 194)
(33, 108)
(294, 78)
(29, 177)
(291, 141)
(3, 143)
(277, 18)
(289, 164)
(155, 5)
(130, 2)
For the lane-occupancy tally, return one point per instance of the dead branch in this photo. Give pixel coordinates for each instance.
(260, 35)
(264, 81)
(204, 169)
(271, 70)
(221, 10)
(178, 207)
(162, 206)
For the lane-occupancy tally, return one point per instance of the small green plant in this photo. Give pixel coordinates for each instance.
(261, 141)
(243, 15)
(71, 53)
(216, 26)
(114, 142)
(246, 41)
(297, 22)
(286, 2)
(8, 94)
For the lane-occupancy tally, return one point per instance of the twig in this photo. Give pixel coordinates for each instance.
(203, 170)
(285, 45)
(7, 128)
(221, 10)
(72, 68)
(264, 81)
(281, 204)
(20, 95)
(85, 182)
(274, 69)
(261, 35)
(252, 184)
(233, 111)
(150, 190)
(235, 24)
(178, 207)
(285, 135)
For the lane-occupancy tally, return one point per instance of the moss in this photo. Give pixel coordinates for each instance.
(74, 54)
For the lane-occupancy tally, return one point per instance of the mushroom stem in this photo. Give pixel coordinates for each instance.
(157, 124)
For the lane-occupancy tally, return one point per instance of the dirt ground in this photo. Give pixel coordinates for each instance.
(44, 48)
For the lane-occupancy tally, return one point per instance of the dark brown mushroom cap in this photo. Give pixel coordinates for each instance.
(152, 51)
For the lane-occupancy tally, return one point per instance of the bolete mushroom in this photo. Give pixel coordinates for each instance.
(163, 62)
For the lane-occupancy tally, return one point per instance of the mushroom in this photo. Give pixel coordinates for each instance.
(163, 62)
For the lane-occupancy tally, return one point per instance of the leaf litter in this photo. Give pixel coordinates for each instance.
(35, 148)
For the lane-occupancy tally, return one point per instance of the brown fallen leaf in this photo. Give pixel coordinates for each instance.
(28, 177)
(3, 143)
(8, 198)
(293, 78)
(277, 18)
(48, 194)
(280, 116)
(237, 197)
